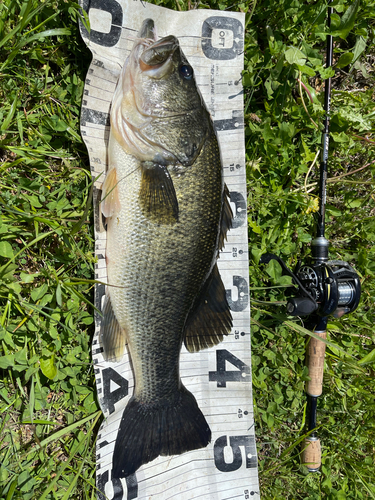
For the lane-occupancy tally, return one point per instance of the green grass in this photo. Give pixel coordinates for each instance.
(48, 406)
(49, 412)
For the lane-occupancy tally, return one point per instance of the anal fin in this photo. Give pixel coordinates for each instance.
(210, 318)
(113, 337)
(157, 195)
(110, 204)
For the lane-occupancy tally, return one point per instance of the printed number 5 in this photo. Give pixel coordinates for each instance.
(235, 442)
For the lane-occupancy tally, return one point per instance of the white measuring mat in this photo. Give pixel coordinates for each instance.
(219, 377)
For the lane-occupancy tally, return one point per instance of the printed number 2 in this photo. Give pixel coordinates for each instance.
(222, 376)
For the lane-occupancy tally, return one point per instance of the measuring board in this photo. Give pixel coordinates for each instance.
(219, 377)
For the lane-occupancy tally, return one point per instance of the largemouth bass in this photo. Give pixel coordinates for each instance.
(167, 214)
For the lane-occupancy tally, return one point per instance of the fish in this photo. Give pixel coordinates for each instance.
(167, 216)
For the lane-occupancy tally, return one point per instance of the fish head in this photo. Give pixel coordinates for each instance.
(158, 113)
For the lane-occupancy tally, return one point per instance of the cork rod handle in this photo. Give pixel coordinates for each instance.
(312, 454)
(315, 363)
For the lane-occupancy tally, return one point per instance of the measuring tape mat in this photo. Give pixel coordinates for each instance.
(218, 377)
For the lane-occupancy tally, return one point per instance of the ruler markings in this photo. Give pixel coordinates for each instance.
(223, 408)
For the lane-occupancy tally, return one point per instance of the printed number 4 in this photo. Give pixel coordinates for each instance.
(222, 376)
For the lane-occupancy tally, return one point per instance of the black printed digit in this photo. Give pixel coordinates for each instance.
(118, 492)
(222, 29)
(246, 443)
(243, 294)
(102, 480)
(239, 202)
(222, 375)
(111, 397)
(115, 10)
(132, 485)
(234, 123)
(93, 116)
(99, 294)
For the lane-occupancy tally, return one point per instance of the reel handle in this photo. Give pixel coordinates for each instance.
(301, 306)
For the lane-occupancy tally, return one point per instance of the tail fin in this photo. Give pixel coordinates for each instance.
(163, 428)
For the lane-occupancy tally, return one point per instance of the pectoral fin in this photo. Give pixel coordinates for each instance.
(113, 337)
(157, 195)
(210, 318)
(110, 204)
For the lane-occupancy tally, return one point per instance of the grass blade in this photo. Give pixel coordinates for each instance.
(8, 119)
(96, 416)
(12, 489)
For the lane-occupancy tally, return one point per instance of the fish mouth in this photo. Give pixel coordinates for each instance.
(154, 56)
(147, 30)
(156, 59)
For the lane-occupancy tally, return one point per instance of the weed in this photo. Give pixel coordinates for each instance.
(47, 396)
(284, 81)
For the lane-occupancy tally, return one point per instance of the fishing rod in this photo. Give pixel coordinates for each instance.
(324, 287)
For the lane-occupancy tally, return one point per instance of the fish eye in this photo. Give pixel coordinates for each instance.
(186, 71)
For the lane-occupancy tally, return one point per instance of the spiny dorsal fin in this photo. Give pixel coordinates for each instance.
(210, 318)
(110, 203)
(113, 337)
(226, 218)
(157, 195)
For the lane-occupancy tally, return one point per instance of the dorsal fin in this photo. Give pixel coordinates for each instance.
(226, 218)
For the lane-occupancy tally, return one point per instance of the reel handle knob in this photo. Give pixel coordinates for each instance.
(300, 306)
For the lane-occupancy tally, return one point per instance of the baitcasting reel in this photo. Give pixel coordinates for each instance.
(325, 287)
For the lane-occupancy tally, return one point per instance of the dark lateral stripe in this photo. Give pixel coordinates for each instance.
(93, 116)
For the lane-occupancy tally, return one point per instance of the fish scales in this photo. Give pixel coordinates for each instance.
(167, 214)
(165, 268)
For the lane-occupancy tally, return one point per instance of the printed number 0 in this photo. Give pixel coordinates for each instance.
(224, 24)
(115, 10)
